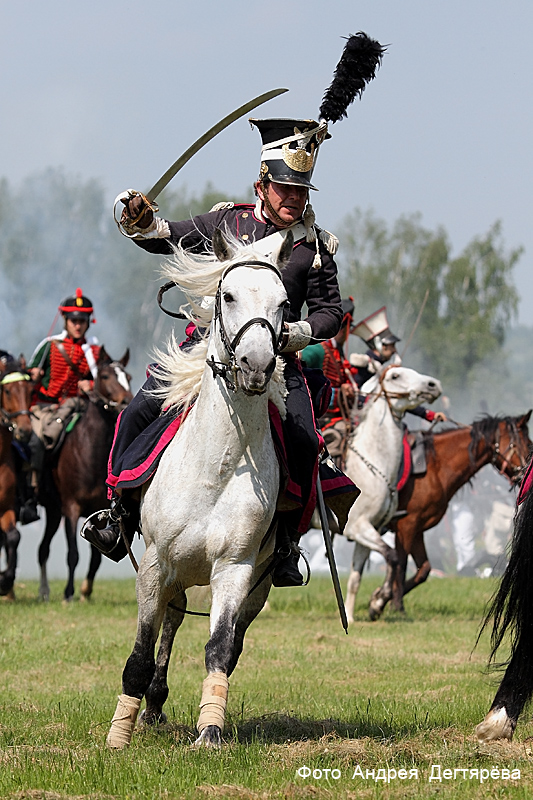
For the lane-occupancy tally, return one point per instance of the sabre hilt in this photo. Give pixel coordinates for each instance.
(138, 212)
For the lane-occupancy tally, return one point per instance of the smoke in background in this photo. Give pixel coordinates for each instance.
(57, 234)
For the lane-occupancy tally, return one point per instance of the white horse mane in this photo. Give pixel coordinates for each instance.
(180, 371)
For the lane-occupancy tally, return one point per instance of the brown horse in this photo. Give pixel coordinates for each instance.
(15, 425)
(453, 458)
(73, 484)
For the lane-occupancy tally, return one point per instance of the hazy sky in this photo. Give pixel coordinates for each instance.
(117, 90)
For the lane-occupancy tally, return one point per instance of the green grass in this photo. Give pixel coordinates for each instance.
(401, 693)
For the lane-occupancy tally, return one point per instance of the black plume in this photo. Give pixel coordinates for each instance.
(360, 59)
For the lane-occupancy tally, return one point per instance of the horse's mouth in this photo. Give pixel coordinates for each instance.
(429, 397)
(250, 391)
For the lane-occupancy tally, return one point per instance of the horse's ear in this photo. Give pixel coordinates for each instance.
(103, 358)
(125, 358)
(523, 421)
(285, 250)
(22, 363)
(222, 248)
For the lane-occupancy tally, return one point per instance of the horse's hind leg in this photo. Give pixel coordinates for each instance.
(508, 703)
(359, 559)
(157, 692)
(86, 588)
(11, 539)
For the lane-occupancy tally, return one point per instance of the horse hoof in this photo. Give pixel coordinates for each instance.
(9, 597)
(44, 597)
(152, 719)
(375, 609)
(86, 590)
(68, 600)
(496, 725)
(6, 585)
(210, 737)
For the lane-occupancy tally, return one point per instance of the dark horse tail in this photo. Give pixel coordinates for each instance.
(511, 609)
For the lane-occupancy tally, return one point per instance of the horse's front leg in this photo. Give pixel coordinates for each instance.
(359, 559)
(229, 587)
(86, 588)
(11, 539)
(53, 518)
(73, 556)
(157, 692)
(398, 582)
(423, 565)
(140, 666)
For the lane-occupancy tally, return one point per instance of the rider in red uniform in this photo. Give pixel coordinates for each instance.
(63, 366)
(330, 357)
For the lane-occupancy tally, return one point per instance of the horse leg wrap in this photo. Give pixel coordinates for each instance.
(123, 722)
(213, 702)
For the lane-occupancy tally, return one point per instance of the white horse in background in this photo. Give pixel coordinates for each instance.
(372, 462)
(207, 513)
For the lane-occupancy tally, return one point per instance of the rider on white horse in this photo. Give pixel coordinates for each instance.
(374, 330)
(288, 157)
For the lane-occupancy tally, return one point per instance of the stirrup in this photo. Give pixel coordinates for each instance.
(287, 577)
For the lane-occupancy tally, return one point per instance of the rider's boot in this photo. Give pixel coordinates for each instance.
(286, 572)
(103, 530)
(28, 509)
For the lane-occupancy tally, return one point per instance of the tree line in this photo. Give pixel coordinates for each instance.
(57, 233)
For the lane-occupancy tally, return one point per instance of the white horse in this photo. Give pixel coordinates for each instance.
(207, 513)
(372, 462)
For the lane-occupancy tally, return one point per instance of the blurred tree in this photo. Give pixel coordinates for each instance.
(470, 301)
(56, 233)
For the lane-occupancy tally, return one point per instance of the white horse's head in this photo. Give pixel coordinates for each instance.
(403, 388)
(248, 312)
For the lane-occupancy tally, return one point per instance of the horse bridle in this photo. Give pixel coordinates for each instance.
(7, 417)
(106, 403)
(505, 461)
(386, 394)
(223, 369)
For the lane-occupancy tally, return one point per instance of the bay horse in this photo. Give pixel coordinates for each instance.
(511, 611)
(453, 458)
(15, 425)
(207, 513)
(74, 480)
(373, 457)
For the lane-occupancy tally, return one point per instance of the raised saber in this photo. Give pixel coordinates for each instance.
(158, 187)
(165, 179)
(329, 553)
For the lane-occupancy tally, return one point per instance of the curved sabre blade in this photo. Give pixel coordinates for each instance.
(158, 187)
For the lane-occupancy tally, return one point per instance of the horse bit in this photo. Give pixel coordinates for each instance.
(223, 369)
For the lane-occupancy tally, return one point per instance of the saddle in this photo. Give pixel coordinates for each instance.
(57, 421)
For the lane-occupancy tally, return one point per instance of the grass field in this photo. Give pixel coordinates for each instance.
(401, 694)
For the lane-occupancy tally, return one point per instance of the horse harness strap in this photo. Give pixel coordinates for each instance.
(376, 471)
